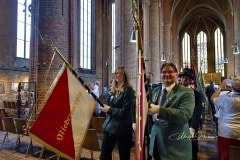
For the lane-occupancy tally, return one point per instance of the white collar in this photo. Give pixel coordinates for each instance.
(169, 88)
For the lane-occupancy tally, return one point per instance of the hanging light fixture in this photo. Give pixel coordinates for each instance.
(133, 35)
(236, 49)
(163, 57)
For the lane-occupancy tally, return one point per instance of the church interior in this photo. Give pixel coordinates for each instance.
(94, 37)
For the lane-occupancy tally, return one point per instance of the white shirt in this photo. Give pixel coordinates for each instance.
(96, 92)
(169, 88)
(229, 114)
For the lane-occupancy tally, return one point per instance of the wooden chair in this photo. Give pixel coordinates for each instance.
(9, 104)
(97, 123)
(234, 152)
(9, 127)
(1, 127)
(91, 141)
(14, 106)
(11, 108)
(5, 105)
(21, 127)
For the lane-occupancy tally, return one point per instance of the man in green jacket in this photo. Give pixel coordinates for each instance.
(170, 137)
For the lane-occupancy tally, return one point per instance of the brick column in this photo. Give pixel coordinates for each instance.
(154, 31)
(146, 39)
(166, 43)
(53, 22)
(236, 6)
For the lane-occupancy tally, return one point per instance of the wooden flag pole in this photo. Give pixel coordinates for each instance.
(77, 76)
(141, 85)
(45, 39)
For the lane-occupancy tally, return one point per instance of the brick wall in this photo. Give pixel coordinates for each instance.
(10, 70)
(58, 20)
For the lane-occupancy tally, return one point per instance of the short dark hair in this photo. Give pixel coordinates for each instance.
(172, 65)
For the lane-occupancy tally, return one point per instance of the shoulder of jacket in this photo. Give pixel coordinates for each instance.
(128, 89)
(187, 89)
(157, 85)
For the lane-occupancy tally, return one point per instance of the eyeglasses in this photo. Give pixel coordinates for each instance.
(167, 72)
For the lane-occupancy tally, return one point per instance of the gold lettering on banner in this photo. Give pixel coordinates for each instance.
(66, 123)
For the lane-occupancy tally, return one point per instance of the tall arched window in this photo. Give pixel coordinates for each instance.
(186, 51)
(219, 52)
(113, 38)
(202, 52)
(23, 28)
(85, 34)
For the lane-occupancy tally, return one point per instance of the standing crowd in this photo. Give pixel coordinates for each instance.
(175, 113)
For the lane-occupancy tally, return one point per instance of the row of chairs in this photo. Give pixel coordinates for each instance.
(18, 126)
(15, 126)
(11, 108)
(10, 104)
(93, 137)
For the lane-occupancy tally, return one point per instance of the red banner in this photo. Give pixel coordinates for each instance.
(141, 111)
(62, 124)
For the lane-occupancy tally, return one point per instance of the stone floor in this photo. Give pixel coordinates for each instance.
(207, 140)
(207, 146)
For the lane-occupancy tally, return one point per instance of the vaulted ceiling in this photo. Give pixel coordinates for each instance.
(200, 14)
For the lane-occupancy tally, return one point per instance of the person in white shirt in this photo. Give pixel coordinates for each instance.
(97, 93)
(228, 104)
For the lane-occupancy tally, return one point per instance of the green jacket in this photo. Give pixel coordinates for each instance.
(154, 93)
(120, 116)
(171, 131)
